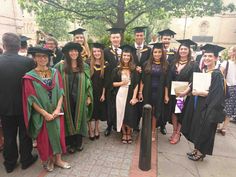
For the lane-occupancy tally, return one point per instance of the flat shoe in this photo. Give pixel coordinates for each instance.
(50, 166)
(65, 165)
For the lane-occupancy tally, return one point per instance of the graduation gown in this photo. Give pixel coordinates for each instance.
(185, 75)
(170, 56)
(98, 84)
(147, 93)
(50, 135)
(145, 54)
(77, 116)
(203, 114)
(130, 115)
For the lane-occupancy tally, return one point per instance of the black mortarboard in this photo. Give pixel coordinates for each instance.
(115, 30)
(210, 48)
(77, 31)
(24, 38)
(187, 42)
(139, 29)
(128, 48)
(157, 45)
(34, 50)
(71, 45)
(98, 45)
(167, 32)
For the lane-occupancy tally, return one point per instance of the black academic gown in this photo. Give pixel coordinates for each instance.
(130, 117)
(186, 75)
(111, 58)
(203, 114)
(170, 56)
(145, 54)
(147, 95)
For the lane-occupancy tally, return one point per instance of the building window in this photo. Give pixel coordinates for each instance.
(204, 26)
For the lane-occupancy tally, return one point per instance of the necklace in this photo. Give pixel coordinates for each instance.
(157, 62)
(44, 73)
(183, 62)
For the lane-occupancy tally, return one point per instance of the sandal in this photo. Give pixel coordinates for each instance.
(175, 139)
(172, 136)
(129, 139)
(124, 139)
(71, 150)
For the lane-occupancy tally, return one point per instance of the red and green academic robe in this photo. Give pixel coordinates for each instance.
(50, 135)
(83, 112)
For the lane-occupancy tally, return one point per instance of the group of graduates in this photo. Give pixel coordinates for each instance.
(63, 100)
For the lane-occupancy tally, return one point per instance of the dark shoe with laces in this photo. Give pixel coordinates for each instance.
(107, 132)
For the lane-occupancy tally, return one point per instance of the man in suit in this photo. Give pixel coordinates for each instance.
(112, 55)
(12, 69)
(166, 36)
(142, 55)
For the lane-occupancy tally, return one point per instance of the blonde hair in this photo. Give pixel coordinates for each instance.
(86, 51)
(233, 58)
(92, 63)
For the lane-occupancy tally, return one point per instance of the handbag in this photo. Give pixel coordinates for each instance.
(227, 93)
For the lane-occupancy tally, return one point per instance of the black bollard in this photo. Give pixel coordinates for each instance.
(146, 139)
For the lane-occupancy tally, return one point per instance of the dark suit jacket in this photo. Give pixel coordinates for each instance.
(12, 69)
(146, 51)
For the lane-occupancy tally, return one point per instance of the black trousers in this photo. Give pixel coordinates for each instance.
(111, 122)
(11, 125)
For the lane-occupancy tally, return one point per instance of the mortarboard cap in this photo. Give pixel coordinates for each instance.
(98, 45)
(71, 45)
(77, 31)
(128, 48)
(34, 50)
(210, 48)
(115, 30)
(24, 38)
(167, 32)
(157, 45)
(187, 42)
(139, 29)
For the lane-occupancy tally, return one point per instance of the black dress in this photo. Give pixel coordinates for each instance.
(130, 115)
(153, 91)
(98, 83)
(185, 75)
(203, 114)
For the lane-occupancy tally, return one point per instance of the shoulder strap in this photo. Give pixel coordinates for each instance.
(226, 69)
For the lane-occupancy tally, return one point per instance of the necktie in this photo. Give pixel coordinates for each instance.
(116, 54)
(139, 53)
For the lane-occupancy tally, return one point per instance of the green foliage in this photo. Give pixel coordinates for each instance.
(98, 15)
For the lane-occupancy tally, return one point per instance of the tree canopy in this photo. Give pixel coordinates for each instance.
(123, 13)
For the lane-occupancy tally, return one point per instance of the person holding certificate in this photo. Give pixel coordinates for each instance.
(205, 108)
(181, 70)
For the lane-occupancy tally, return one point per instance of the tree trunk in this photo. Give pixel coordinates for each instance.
(120, 23)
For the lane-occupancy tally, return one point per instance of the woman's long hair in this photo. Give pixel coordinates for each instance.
(92, 63)
(164, 63)
(131, 65)
(68, 65)
(189, 57)
(233, 58)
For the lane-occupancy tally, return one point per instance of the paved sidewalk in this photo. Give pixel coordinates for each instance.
(173, 162)
(106, 157)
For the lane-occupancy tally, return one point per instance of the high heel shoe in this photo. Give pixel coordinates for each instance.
(175, 139)
(192, 153)
(97, 135)
(90, 136)
(124, 139)
(129, 139)
(197, 157)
